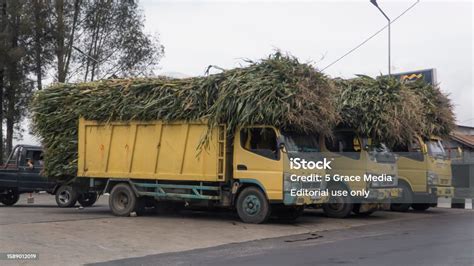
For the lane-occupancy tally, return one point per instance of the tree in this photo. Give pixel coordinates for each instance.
(42, 54)
(3, 45)
(65, 25)
(18, 86)
(76, 39)
(101, 39)
(114, 41)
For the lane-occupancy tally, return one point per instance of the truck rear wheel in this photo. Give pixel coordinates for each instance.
(10, 198)
(66, 196)
(252, 206)
(88, 199)
(122, 200)
(403, 203)
(338, 206)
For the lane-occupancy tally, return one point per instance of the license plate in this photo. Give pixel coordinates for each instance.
(394, 193)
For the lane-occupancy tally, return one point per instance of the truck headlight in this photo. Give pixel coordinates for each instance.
(432, 178)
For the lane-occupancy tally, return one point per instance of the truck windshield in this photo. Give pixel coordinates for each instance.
(375, 146)
(435, 148)
(299, 142)
(382, 153)
(379, 147)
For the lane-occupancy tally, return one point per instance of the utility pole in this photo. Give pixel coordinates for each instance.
(374, 2)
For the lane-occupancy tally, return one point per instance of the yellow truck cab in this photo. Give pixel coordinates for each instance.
(424, 174)
(140, 163)
(354, 156)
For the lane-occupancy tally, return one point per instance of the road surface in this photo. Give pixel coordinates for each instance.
(445, 240)
(75, 236)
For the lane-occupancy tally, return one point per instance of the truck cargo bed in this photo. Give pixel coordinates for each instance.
(150, 150)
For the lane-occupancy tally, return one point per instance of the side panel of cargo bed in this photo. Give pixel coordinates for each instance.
(150, 150)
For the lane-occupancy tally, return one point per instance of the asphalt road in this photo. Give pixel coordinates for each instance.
(442, 240)
(75, 236)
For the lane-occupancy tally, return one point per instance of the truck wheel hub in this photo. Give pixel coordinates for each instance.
(251, 205)
(336, 203)
(122, 201)
(64, 196)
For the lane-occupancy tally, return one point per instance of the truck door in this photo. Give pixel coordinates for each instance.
(9, 170)
(258, 160)
(412, 164)
(29, 169)
(345, 150)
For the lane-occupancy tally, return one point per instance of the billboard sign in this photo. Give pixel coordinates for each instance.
(428, 75)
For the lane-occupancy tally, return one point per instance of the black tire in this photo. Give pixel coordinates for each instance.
(403, 204)
(356, 210)
(66, 197)
(338, 207)
(122, 200)
(252, 206)
(88, 199)
(420, 206)
(10, 198)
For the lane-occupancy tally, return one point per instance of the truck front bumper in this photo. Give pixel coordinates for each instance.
(438, 191)
(379, 199)
(289, 200)
(382, 194)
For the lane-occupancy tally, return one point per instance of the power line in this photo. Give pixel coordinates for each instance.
(372, 36)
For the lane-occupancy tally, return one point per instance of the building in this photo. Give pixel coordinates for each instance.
(460, 148)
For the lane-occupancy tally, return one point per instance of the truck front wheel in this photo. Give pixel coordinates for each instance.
(252, 206)
(338, 206)
(66, 196)
(122, 200)
(10, 198)
(403, 203)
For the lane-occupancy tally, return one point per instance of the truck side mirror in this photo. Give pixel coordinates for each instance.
(397, 156)
(424, 148)
(356, 143)
(281, 146)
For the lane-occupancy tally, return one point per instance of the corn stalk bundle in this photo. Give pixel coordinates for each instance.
(383, 108)
(436, 107)
(277, 91)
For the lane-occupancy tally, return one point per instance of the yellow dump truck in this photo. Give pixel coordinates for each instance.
(147, 161)
(355, 161)
(424, 174)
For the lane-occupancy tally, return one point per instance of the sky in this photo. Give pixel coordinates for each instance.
(434, 34)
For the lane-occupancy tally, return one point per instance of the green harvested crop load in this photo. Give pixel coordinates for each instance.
(393, 111)
(381, 108)
(277, 91)
(436, 107)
